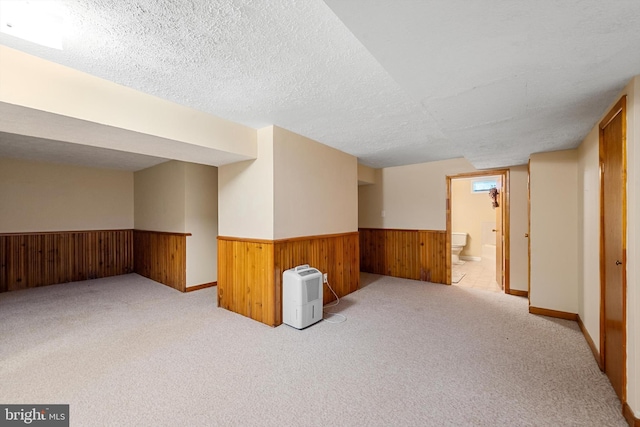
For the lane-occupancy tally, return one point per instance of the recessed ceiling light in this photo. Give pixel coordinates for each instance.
(34, 21)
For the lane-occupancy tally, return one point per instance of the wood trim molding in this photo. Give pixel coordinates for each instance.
(529, 230)
(553, 313)
(315, 237)
(628, 415)
(202, 286)
(506, 226)
(33, 233)
(169, 233)
(243, 239)
(479, 173)
(592, 345)
(287, 239)
(519, 293)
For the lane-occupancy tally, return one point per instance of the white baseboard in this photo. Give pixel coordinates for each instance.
(470, 258)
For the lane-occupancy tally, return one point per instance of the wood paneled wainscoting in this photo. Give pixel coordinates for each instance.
(409, 254)
(29, 260)
(161, 256)
(250, 270)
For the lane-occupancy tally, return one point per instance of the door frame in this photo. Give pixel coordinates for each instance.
(619, 108)
(504, 205)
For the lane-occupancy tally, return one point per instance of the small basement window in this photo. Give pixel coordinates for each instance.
(483, 185)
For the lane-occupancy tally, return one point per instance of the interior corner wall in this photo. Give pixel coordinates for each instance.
(315, 187)
(409, 197)
(38, 196)
(518, 227)
(245, 193)
(589, 234)
(159, 194)
(554, 231)
(366, 175)
(468, 212)
(201, 220)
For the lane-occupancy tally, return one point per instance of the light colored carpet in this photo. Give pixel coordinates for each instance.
(127, 351)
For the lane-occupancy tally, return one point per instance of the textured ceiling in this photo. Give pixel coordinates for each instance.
(39, 149)
(390, 82)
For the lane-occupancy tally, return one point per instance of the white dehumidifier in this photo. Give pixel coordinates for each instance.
(301, 296)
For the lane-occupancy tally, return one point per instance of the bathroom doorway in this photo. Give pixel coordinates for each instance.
(478, 217)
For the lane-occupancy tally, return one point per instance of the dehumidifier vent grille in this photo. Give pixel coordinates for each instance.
(313, 289)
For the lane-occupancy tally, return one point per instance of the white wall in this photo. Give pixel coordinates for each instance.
(468, 212)
(412, 197)
(201, 220)
(160, 198)
(519, 225)
(36, 196)
(554, 231)
(245, 193)
(316, 187)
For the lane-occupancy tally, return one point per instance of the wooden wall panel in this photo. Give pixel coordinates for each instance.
(409, 254)
(434, 259)
(246, 279)
(29, 260)
(337, 255)
(162, 257)
(250, 271)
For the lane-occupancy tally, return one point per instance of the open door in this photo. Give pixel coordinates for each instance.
(502, 223)
(500, 238)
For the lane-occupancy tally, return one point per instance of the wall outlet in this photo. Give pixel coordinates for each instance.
(324, 278)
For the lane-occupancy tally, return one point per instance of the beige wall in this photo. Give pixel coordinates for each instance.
(366, 175)
(316, 187)
(37, 196)
(589, 237)
(182, 197)
(201, 220)
(468, 212)
(589, 234)
(38, 84)
(245, 190)
(160, 197)
(554, 231)
(519, 225)
(414, 197)
(296, 187)
(411, 197)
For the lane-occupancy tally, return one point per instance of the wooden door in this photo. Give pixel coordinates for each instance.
(613, 247)
(499, 238)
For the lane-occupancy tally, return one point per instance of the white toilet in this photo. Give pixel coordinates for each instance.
(458, 242)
